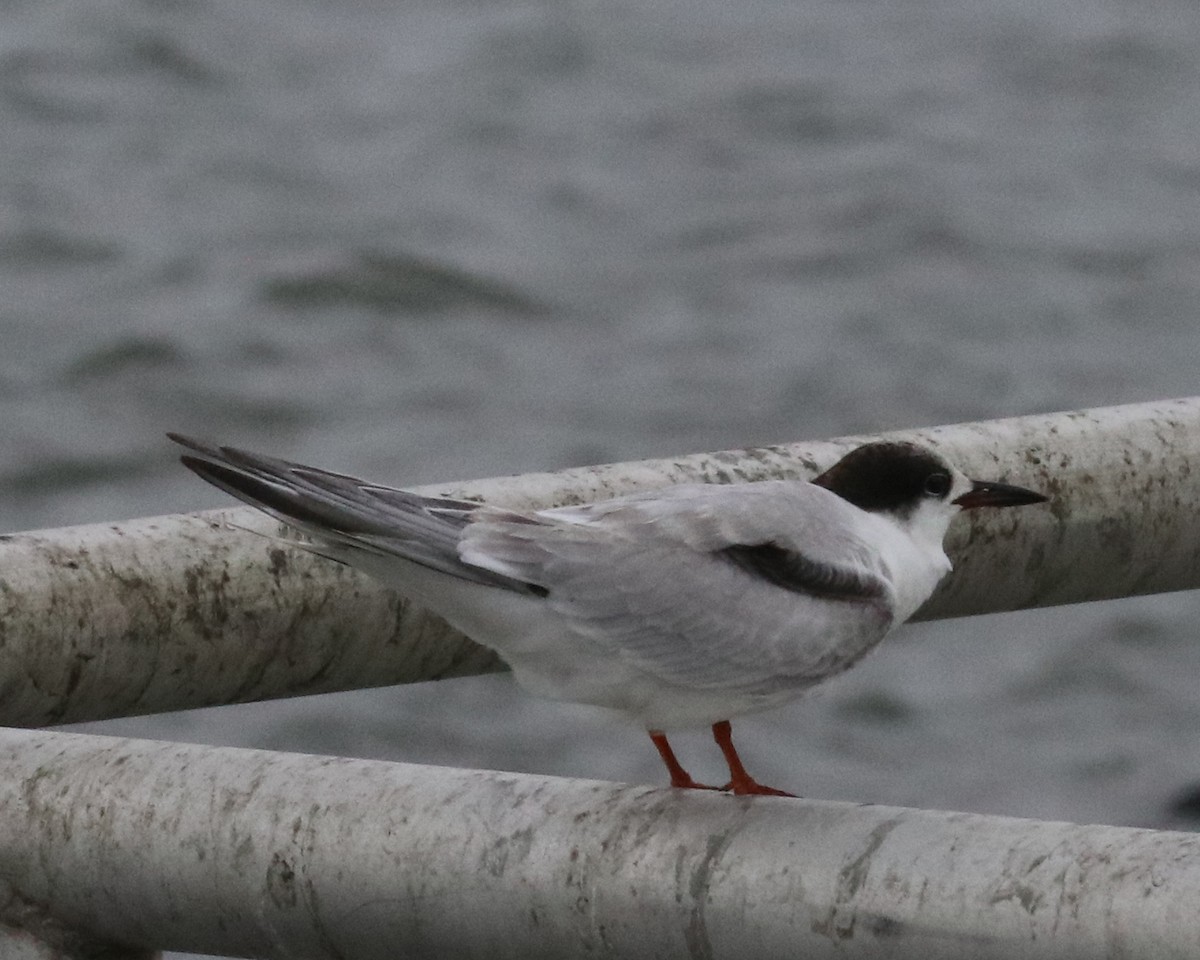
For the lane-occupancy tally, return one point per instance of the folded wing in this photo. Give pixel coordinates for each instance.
(698, 585)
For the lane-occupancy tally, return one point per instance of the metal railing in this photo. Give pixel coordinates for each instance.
(150, 845)
(256, 853)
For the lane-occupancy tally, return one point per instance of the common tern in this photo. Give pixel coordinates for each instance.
(679, 607)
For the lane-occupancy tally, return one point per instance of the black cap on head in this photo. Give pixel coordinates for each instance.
(889, 476)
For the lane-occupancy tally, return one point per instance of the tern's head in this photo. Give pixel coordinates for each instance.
(915, 486)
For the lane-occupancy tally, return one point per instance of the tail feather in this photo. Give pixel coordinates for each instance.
(345, 515)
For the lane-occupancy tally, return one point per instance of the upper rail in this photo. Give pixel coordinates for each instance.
(195, 610)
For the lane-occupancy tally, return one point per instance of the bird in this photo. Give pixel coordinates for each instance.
(678, 607)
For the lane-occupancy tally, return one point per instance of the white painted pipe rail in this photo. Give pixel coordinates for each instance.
(184, 611)
(252, 853)
(116, 848)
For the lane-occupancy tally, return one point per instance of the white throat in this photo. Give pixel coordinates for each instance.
(917, 557)
(927, 525)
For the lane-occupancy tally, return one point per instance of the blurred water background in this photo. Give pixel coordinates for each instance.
(447, 239)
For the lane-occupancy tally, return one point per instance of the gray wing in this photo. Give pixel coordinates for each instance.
(346, 516)
(753, 587)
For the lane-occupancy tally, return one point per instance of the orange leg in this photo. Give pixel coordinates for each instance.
(679, 776)
(740, 782)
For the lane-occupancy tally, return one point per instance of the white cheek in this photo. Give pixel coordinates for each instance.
(931, 520)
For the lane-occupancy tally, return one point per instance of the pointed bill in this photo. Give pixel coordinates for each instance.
(992, 493)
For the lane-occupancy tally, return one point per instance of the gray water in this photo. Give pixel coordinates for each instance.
(442, 240)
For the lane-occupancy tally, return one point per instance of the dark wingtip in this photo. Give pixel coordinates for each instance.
(199, 446)
(256, 491)
(217, 474)
(195, 464)
(230, 456)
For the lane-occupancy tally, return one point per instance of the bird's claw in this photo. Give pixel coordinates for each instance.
(750, 787)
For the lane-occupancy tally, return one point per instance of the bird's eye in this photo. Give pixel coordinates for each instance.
(937, 484)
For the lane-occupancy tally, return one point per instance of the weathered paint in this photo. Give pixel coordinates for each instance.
(171, 612)
(278, 855)
(30, 931)
(185, 611)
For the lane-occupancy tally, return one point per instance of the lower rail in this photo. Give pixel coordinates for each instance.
(163, 845)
